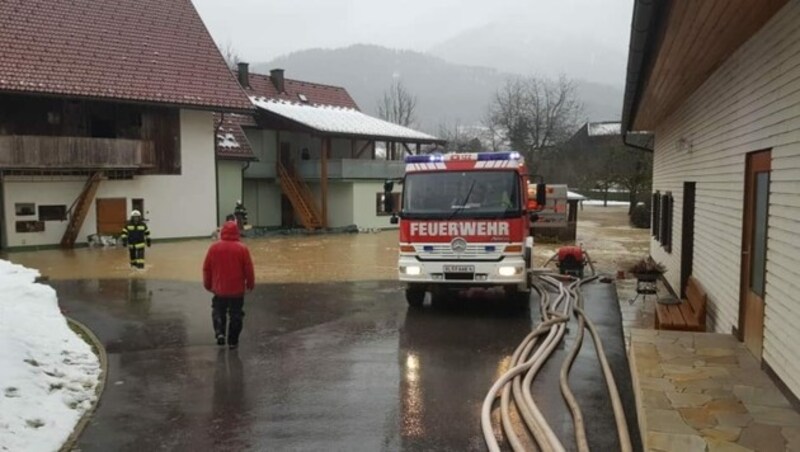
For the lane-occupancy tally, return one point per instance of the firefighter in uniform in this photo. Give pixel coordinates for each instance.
(135, 236)
(240, 213)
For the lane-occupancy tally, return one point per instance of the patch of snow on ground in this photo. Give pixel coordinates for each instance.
(599, 202)
(48, 374)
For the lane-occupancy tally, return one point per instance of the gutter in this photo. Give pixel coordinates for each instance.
(640, 52)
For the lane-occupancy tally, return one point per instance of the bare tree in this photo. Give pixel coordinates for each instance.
(460, 138)
(398, 105)
(633, 172)
(230, 54)
(535, 114)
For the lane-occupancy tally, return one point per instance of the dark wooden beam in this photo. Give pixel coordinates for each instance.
(419, 148)
(408, 150)
(353, 148)
(364, 148)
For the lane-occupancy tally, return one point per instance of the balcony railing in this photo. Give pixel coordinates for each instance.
(74, 153)
(352, 169)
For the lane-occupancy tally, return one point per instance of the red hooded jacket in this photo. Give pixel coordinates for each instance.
(228, 269)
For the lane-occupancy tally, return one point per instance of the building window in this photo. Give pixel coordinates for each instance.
(23, 227)
(52, 213)
(665, 229)
(656, 223)
(379, 205)
(25, 209)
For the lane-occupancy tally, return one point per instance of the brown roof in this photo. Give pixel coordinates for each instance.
(232, 142)
(152, 51)
(316, 93)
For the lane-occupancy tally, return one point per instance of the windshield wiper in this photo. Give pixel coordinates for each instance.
(463, 204)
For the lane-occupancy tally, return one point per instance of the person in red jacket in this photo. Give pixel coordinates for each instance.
(228, 274)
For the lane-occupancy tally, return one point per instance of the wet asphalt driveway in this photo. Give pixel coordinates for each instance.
(335, 366)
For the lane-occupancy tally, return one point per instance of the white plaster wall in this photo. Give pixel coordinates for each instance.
(229, 181)
(365, 214)
(340, 202)
(176, 206)
(263, 201)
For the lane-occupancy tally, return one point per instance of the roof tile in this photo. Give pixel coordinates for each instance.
(316, 93)
(137, 50)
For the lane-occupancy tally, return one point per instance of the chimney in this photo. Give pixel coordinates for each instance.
(244, 74)
(277, 79)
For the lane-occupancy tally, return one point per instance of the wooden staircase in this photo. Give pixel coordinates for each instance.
(79, 210)
(299, 194)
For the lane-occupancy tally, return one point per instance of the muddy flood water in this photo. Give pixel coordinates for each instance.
(604, 232)
(331, 357)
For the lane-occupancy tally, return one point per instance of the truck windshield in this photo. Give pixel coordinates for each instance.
(461, 194)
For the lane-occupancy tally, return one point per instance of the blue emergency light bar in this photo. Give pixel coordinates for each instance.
(479, 156)
(484, 156)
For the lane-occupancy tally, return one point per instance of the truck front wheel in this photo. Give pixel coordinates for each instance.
(415, 297)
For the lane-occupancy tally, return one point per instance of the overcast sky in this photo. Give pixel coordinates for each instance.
(261, 30)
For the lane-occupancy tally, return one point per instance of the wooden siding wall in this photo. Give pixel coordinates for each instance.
(49, 152)
(750, 103)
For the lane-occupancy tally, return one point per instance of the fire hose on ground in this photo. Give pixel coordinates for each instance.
(513, 388)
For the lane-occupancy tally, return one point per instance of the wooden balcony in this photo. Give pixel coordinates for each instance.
(53, 153)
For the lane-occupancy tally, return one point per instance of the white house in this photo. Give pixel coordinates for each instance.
(719, 84)
(105, 116)
(307, 156)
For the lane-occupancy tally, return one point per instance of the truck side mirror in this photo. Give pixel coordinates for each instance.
(541, 194)
(534, 217)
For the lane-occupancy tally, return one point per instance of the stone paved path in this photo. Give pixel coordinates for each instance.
(705, 391)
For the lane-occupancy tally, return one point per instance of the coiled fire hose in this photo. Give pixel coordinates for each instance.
(514, 386)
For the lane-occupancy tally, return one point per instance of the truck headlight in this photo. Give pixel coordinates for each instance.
(509, 271)
(411, 270)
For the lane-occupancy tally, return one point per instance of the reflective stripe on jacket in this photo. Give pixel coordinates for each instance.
(135, 234)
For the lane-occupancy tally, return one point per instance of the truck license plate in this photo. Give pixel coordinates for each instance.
(459, 268)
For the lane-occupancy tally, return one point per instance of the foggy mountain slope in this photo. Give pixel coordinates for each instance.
(541, 49)
(446, 91)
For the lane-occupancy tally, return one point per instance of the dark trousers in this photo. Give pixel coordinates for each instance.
(136, 255)
(221, 308)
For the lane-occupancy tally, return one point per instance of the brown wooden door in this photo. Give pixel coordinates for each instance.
(112, 214)
(754, 250)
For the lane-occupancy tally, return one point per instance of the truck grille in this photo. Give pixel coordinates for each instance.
(473, 252)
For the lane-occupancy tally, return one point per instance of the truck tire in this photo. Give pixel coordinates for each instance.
(415, 297)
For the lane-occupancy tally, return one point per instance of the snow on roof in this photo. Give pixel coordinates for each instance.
(227, 140)
(604, 128)
(339, 120)
(572, 195)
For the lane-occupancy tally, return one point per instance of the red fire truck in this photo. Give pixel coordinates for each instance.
(464, 223)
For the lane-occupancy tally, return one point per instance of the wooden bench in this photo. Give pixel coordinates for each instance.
(689, 315)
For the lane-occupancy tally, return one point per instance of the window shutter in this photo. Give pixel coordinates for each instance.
(666, 222)
(656, 221)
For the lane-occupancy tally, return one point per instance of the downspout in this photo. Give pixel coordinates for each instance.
(635, 146)
(241, 182)
(216, 161)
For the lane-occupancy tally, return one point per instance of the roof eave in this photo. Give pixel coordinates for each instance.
(144, 102)
(241, 158)
(645, 24)
(313, 130)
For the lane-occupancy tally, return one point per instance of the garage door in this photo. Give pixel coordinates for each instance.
(112, 215)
